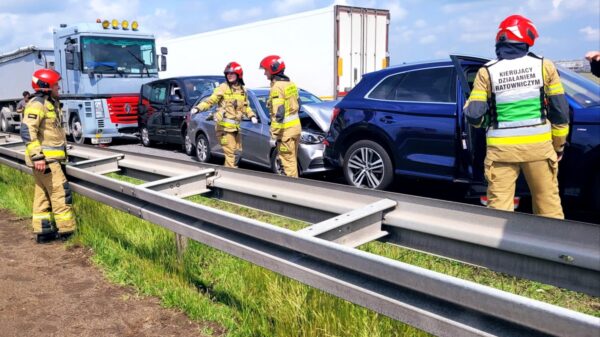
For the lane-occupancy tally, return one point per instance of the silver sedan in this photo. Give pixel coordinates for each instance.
(315, 116)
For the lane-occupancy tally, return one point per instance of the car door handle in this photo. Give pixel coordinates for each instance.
(387, 119)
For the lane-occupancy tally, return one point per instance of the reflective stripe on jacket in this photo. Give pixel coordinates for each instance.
(42, 130)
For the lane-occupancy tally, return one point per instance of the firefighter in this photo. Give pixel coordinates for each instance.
(519, 98)
(232, 98)
(45, 152)
(284, 106)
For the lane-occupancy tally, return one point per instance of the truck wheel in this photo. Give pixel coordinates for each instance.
(145, 137)
(202, 148)
(76, 129)
(367, 164)
(188, 145)
(4, 126)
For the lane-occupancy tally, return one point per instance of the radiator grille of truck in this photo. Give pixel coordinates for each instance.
(100, 123)
(123, 109)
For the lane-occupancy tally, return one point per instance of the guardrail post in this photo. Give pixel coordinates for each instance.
(181, 242)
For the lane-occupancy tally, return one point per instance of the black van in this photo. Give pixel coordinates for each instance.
(164, 105)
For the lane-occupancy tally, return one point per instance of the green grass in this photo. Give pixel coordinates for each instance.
(241, 298)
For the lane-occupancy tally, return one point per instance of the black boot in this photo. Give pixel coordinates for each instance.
(45, 237)
(64, 236)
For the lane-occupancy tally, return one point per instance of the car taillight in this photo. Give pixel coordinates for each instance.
(336, 112)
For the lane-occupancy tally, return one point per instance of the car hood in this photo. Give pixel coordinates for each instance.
(321, 113)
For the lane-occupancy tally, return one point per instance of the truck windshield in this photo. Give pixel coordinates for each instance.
(110, 55)
(584, 91)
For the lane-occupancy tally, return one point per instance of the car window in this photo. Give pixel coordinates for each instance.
(159, 93)
(582, 90)
(175, 90)
(306, 97)
(146, 91)
(197, 87)
(425, 85)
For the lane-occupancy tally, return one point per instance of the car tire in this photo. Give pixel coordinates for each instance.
(188, 145)
(145, 137)
(367, 164)
(276, 163)
(76, 129)
(203, 154)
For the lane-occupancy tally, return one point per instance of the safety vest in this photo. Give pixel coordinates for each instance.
(290, 103)
(518, 115)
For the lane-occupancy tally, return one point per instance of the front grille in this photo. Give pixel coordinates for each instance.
(119, 113)
(100, 123)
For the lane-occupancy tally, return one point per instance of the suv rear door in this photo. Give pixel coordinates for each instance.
(417, 109)
(473, 145)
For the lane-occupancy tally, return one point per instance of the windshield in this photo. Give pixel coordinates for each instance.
(584, 91)
(115, 55)
(199, 87)
(305, 97)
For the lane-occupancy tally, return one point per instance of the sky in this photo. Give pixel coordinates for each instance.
(419, 30)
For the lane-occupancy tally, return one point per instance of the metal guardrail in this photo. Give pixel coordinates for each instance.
(323, 256)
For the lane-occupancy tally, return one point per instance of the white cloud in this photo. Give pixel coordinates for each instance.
(420, 23)
(427, 39)
(291, 6)
(236, 15)
(590, 34)
(473, 37)
(397, 12)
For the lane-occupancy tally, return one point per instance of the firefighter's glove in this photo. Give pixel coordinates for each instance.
(254, 120)
(272, 142)
(194, 111)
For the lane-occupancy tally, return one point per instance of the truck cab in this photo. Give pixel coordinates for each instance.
(103, 65)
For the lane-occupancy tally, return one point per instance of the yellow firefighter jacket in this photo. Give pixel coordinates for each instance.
(232, 103)
(42, 130)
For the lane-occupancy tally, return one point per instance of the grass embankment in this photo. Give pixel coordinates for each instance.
(245, 299)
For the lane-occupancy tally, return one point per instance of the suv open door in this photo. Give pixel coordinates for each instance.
(472, 139)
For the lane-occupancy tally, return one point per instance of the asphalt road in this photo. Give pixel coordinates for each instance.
(419, 187)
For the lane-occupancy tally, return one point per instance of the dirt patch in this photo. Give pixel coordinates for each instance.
(49, 290)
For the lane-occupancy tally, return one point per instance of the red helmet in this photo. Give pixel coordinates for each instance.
(234, 67)
(517, 28)
(273, 64)
(44, 79)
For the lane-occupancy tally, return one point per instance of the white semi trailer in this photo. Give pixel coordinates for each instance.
(16, 68)
(326, 51)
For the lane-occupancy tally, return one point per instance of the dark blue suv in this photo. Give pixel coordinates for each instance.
(408, 120)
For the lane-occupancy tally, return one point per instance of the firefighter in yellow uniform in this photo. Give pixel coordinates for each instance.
(519, 98)
(284, 106)
(233, 103)
(45, 140)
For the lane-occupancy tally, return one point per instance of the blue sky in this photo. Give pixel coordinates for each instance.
(419, 30)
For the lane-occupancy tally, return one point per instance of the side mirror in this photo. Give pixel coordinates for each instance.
(72, 58)
(164, 50)
(163, 63)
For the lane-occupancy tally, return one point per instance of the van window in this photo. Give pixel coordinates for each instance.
(425, 85)
(159, 93)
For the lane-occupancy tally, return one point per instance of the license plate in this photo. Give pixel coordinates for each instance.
(101, 140)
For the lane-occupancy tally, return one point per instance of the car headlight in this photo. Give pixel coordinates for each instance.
(310, 138)
(98, 109)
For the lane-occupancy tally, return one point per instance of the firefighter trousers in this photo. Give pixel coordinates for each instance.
(232, 147)
(541, 177)
(52, 201)
(288, 151)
